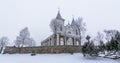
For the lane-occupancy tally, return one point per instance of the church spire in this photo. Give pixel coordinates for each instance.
(73, 21)
(59, 15)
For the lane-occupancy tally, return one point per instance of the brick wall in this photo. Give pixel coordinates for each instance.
(43, 49)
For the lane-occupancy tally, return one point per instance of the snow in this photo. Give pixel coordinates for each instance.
(52, 58)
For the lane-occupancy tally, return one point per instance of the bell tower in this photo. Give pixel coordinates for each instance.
(60, 22)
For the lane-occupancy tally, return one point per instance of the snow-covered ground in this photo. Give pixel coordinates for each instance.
(52, 58)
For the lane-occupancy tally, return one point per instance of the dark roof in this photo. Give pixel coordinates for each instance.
(59, 16)
(73, 22)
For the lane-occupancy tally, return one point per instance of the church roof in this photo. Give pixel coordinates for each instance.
(73, 22)
(68, 25)
(59, 16)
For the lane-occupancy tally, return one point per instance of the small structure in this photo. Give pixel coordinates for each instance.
(63, 35)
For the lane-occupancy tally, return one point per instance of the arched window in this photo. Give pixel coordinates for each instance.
(61, 28)
(76, 32)
(69, 32)
(61, 41)
(70, 41)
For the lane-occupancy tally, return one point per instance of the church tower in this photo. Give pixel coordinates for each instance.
(60, 23)
(62, 35)
(75, 30)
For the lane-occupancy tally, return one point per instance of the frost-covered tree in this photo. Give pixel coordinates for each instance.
(101, 47)
(53, 25)
(110, 34)
(99, 38)
(117, 38)
(108, 46)
(110, 37)
(81, 28)
(114, 42)
(30, 42)
(24, 39)
(88, 38)
(113, 45)
(89, 48)
(3, 42)
(93, 50)
(85, 48)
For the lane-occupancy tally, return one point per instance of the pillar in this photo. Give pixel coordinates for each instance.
(57, 39)
(49, 42)
(75, 42)
(52, 41)
(64, 40)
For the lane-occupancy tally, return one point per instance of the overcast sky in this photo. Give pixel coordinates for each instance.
(37, 14)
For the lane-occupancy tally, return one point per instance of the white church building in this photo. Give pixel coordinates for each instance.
(63, 35)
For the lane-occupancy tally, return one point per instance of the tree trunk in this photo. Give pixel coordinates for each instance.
(1, 49)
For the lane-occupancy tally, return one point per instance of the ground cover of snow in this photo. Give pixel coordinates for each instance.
(52, 58)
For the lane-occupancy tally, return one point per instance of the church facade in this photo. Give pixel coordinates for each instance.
(63, 34)
(65, 39)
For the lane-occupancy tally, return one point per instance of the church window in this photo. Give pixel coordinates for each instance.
(61, 28)
(76, 32)
(69, 32)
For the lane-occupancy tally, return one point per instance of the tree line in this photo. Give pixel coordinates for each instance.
(109, 46)
(23, 40)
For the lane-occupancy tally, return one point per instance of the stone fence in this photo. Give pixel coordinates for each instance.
(43, 49)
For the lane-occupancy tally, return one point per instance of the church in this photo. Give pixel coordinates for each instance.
(63, 34)
(64, 39)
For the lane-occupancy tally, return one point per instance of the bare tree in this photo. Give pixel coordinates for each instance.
(30, 42)
(110, 34)
(99, 38)
(53, 25)
(81, 28)
(3, 42)
(18, 41)
(24, 38)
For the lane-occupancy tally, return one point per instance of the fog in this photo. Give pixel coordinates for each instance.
(37, 14)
